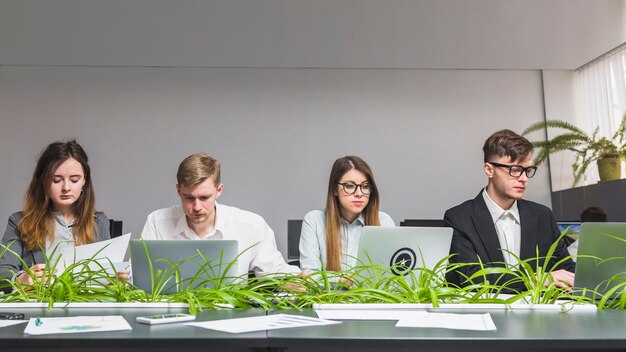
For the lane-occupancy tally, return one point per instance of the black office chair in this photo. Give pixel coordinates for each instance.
(115, 227)
(293, 241)
(423, 223)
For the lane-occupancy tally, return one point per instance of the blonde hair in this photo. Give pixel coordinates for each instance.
(196, 168)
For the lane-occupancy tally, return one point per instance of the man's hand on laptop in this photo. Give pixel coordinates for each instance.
(297, 286)
(562, 279)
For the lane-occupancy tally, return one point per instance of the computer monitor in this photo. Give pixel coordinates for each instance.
(423, 223)
(572, 227)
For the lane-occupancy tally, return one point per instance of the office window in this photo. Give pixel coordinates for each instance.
(600, 88)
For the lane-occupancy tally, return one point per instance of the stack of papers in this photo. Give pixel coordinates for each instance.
(105, 253)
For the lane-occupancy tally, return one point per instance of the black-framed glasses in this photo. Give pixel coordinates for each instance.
(517, 170)
(350, 188)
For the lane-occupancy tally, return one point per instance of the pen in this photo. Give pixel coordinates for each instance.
(38, 322)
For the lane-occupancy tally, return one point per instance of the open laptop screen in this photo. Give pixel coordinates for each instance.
(179, 265)
(601, 262)
(412, 247)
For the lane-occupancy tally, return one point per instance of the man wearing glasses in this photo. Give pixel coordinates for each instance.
(498, 228)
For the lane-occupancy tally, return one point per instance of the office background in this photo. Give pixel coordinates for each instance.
(277, 90)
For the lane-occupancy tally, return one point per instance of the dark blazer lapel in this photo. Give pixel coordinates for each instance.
(486, 229)
(529, 226)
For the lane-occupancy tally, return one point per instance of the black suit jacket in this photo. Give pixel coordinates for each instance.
(475, 237)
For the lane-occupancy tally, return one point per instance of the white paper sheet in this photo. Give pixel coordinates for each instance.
(479, 322)
(369, 314)
(5, 323)
(105, 252)
(262, 323)
(80, 324)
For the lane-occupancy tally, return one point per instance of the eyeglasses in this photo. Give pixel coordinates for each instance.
(517, 170)
(350, 188)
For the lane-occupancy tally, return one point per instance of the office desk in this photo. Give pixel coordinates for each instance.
(167, 337)
(518, 330)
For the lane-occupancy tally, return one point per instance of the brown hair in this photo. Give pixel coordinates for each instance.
(37, 222)
(507, 143)
(332, 214)
(196, 168)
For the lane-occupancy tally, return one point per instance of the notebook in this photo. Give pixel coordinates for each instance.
(410, 247)
(179, 265)
(604, 240)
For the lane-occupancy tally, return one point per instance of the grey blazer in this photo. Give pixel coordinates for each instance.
(10, 264)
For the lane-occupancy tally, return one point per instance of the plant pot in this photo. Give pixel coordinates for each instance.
(610, 168)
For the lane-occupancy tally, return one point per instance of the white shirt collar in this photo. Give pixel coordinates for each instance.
(182, 227)
(497, 212)
(358, 221)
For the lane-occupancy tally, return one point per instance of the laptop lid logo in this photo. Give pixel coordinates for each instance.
(402, 261)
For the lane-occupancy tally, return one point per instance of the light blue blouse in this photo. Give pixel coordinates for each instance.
(313, 240)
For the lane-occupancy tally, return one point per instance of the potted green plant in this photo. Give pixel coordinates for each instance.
(608, 153)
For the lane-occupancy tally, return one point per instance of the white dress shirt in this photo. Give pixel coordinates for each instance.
(257, 245)
(313, 239)
(508, 228)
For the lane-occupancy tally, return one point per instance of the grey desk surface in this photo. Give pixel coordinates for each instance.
(517, 331)
(142, 337)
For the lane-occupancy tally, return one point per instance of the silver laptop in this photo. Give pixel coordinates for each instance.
(606, 241)
(403, 249)
(170, 266)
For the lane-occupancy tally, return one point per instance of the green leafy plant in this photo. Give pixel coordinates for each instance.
(88, 281)
(588, 148)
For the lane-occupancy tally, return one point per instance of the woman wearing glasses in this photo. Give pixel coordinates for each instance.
(59, 211)
(330, 238)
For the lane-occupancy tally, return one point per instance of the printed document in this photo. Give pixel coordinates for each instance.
(262, 323)
(72, 325)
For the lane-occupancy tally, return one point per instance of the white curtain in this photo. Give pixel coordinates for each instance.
(600, 89)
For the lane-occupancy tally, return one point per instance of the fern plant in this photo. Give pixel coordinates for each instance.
(588, 148)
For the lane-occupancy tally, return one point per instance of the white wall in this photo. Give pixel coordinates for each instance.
(276, 131)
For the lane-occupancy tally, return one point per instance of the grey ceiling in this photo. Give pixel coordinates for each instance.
(429, 34)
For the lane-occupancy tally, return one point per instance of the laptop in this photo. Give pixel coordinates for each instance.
(403, 249)
(604, 240)
(179, 265)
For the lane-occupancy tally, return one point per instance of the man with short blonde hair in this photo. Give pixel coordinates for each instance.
(198, 167)
(200, 217)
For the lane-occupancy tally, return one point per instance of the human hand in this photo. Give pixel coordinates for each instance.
(298, 285)
(562, 279)
(123, 275)
(346, 280)
(39, 272)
